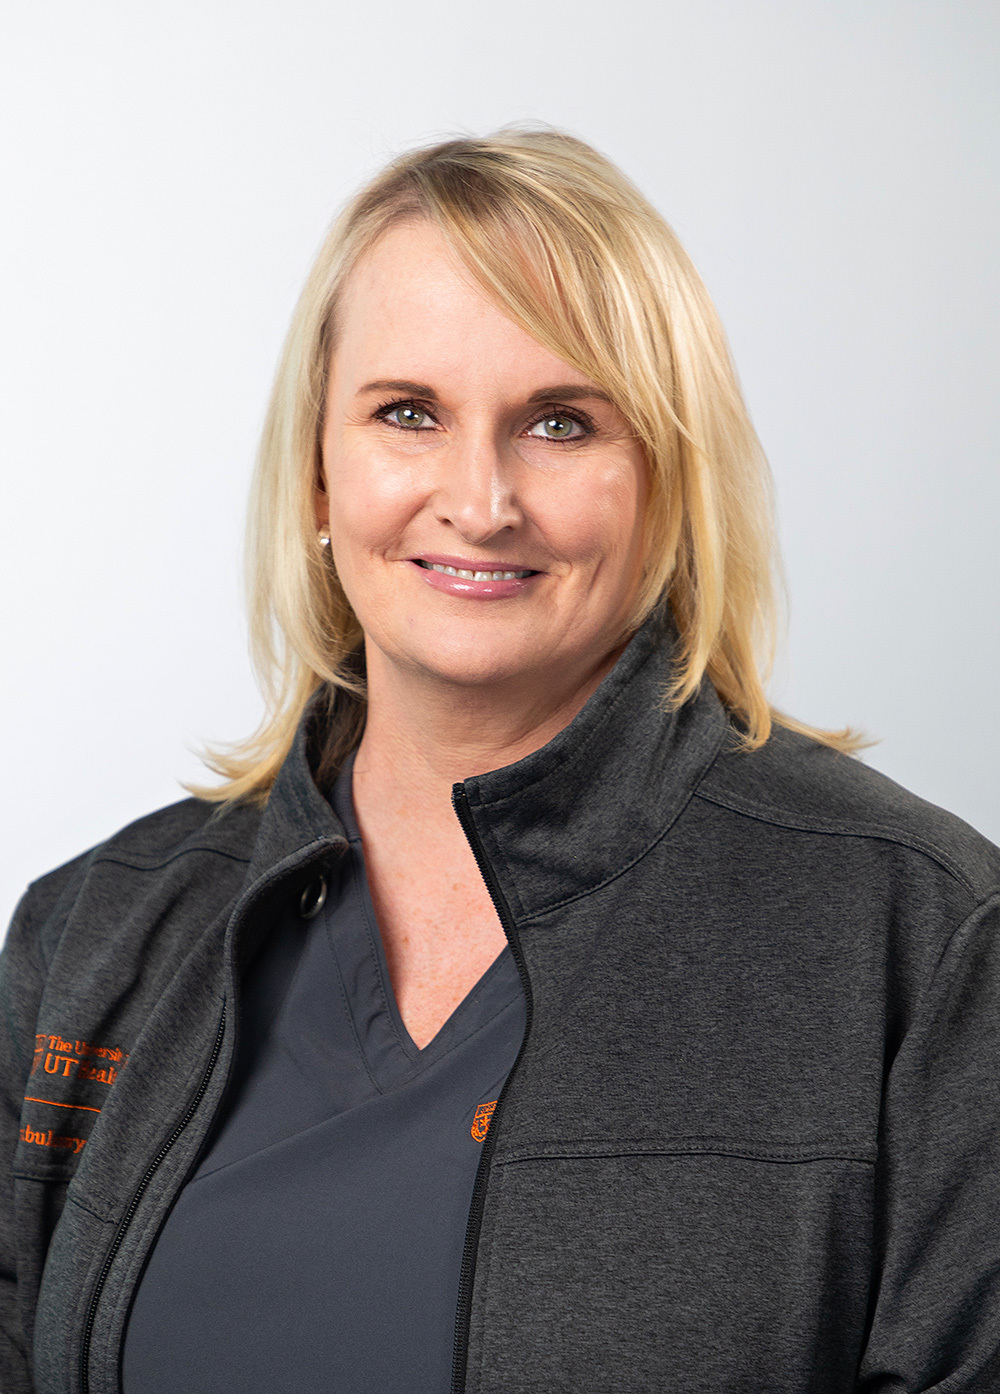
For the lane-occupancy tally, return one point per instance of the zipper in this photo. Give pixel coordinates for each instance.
(261, 894)
(460, 803)
(126, 1220)
(463, 1315)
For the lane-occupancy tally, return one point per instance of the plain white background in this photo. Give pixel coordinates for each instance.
(168, 173)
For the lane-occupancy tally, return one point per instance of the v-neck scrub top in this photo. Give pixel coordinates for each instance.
(318, 1244)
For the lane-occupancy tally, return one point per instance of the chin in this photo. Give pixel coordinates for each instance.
(478, 664)
(489, 671)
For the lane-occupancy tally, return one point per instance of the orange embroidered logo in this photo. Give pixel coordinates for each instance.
(481, 1122)
(50, 1139)
(77, 1059)
(72, 1060)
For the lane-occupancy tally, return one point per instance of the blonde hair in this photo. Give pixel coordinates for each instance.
(566, 246)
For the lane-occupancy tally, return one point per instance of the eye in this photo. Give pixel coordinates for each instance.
(406, 416)
(559, 426)
(403, 414)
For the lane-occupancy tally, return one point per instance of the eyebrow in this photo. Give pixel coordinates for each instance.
(562, 392)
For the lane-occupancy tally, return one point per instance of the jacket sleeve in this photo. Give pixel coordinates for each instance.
(21, 981)
(936, 1303)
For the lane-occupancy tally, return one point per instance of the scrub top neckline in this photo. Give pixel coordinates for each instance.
(384, 1041)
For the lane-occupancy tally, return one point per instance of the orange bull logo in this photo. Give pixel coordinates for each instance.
(481, 1122)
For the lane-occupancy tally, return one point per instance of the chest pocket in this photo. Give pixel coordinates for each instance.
(609, 1269)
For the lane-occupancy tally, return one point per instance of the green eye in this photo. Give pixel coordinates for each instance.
(406, 416)
(559, 427)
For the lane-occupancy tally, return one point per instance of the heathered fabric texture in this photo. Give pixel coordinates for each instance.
(752, 1143)
(319, 1243)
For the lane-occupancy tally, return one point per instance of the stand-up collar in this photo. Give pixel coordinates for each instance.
(564, 819)
(298, 822)
(583, 808)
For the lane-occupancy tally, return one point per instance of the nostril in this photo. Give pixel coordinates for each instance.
(313, 898)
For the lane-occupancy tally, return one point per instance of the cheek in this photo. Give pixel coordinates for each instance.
(371, 502)
(598, 519)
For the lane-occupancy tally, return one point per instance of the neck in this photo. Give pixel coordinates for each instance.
(423, 735)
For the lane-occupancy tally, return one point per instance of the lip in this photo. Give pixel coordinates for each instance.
(473, 590)
(472, 563)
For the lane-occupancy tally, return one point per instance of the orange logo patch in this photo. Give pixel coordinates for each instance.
(481, 1122)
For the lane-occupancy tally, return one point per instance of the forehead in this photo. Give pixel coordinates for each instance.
(410, 309)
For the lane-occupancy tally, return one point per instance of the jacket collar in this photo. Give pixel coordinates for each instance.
(566, 818)
(298, 824)
(576, 813)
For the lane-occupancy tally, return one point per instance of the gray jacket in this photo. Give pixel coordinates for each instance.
(751, 1142)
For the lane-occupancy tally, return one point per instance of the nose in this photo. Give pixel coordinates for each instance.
(476, 491)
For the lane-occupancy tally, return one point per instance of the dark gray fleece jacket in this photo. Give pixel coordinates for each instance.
(751, 1144)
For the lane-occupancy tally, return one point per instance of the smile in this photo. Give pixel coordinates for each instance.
(475, 575)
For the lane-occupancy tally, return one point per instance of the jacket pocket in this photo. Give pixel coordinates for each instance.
(688, 1265)
(78, 1248)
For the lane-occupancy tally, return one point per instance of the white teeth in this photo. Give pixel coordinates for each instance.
(477, 575)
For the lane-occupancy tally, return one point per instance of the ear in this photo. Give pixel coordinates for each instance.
(321, 503)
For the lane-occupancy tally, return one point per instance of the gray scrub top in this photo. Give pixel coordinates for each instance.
(317, 1246)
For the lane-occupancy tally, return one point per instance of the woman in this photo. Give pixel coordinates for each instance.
(531, 1007)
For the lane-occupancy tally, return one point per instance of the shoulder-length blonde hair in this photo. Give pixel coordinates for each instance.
(574, 254)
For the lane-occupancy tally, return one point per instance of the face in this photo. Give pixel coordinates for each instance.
(484, 499)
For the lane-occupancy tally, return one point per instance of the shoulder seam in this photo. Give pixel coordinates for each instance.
(878, 831)
(138, 862)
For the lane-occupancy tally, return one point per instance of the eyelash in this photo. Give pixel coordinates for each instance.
(383, 411)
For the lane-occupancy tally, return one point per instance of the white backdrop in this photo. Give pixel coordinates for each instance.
(168, 172)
